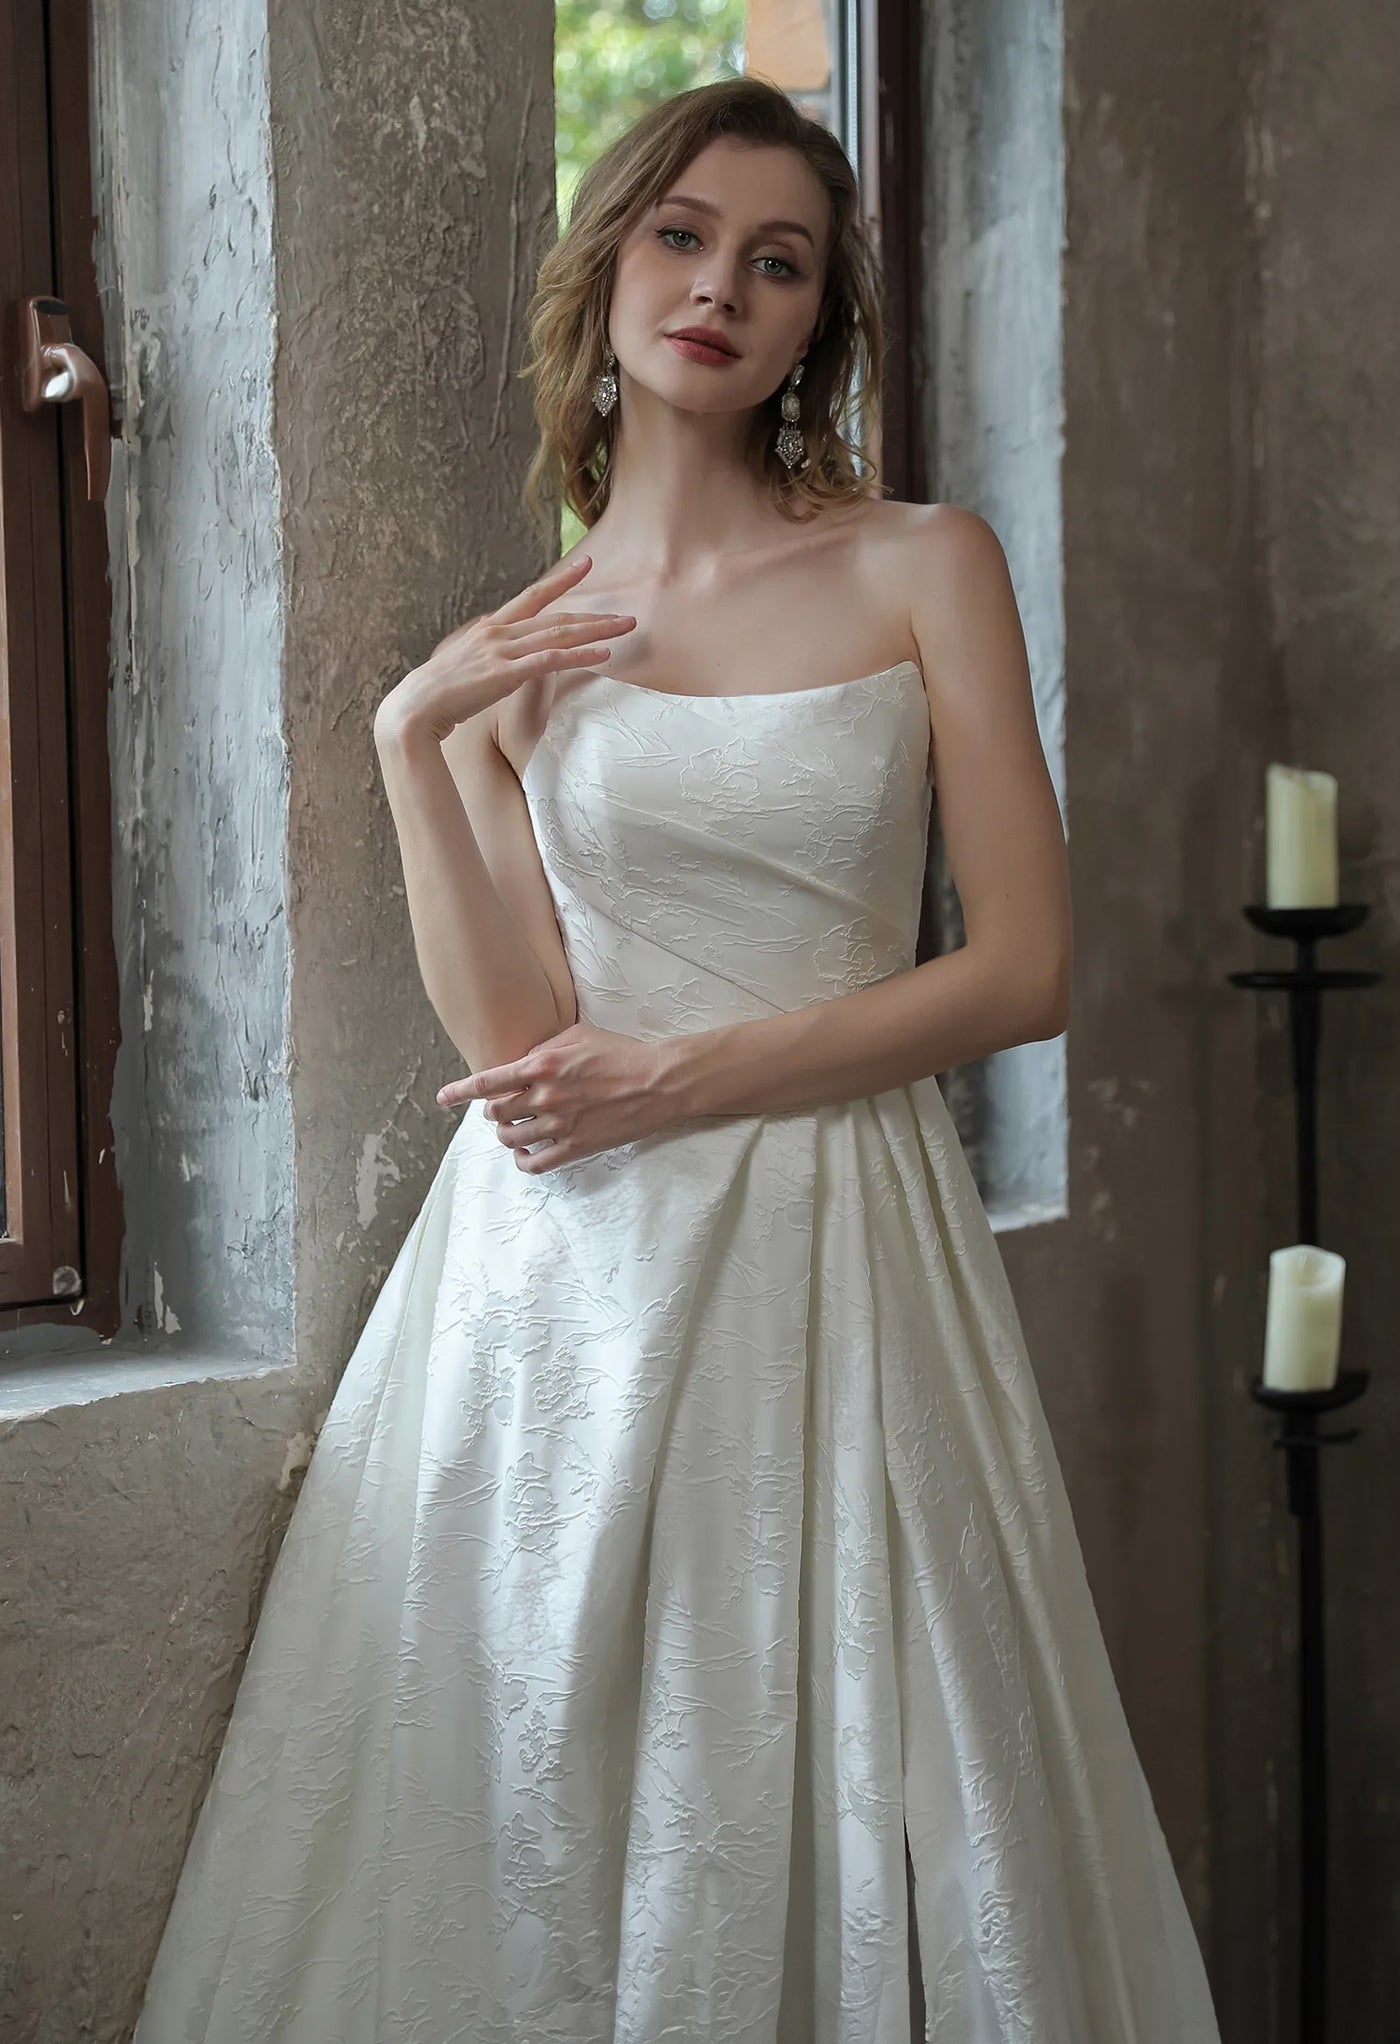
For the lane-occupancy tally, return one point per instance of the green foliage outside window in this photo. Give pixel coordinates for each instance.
(614, 59)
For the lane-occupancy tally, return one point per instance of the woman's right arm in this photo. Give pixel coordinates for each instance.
(496, 976)
(484, 929)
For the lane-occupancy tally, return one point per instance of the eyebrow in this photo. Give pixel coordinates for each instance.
(764, 226)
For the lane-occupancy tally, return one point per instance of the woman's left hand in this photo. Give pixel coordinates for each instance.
(582, 1091)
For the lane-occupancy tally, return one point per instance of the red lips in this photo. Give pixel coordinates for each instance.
(706, 336)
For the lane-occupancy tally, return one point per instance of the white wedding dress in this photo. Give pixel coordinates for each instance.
(686, 1530)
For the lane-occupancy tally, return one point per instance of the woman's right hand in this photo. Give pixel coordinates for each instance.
(490, 656)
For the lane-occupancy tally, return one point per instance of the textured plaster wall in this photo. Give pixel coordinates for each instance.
(139, 1529)
(318, 235)
(1146, 1304)
(1090, 296)
(1325, 175)
(1227, 502)
(1231, 483)
(420, 151)
(202, 1112)
(994, 214)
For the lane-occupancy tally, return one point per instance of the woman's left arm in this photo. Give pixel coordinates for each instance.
(1010, 981)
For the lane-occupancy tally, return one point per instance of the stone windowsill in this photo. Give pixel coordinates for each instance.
(33, 1387)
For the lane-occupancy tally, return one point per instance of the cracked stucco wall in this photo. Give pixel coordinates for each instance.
(993, 214)
(1142, 1306)
(202, 1108)
(1228, 496)
(318, 233)
(424, 188)
(1089, 304)
(1324, 175)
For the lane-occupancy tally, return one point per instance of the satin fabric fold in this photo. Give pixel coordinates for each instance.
(686, 1533)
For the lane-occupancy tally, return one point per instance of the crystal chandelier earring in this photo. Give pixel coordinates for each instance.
(605, 383)
(792, 447)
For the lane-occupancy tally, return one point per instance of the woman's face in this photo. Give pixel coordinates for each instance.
(738, 246)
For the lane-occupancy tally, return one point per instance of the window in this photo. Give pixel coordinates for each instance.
(59, 1208)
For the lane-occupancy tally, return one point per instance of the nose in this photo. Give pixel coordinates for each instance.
(716, 282)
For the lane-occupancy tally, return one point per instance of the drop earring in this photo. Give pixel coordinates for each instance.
(792, 446)
(605, 383)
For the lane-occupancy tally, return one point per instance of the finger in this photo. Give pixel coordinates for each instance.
(561, 617)
(550, 636)
(537, 594)
(518, 1135)
(552, 659)
(485, 1085)
(552, 1154)
(595, 622)
(456, 1093)
(504, 1108)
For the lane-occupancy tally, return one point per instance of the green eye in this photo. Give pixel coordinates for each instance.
(784, 269)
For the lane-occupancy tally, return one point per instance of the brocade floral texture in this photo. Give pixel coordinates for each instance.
(685, 1533)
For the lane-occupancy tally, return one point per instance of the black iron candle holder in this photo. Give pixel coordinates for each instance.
(1305, 984)
(1299, 1436)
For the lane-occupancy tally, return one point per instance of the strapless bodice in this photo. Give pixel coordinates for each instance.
(718, 858)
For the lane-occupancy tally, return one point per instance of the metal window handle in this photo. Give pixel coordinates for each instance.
(53, 371)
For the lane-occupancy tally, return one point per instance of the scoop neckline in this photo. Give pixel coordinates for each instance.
(757, 695)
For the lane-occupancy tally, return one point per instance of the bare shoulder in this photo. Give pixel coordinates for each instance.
(910, 549)
(941, 570)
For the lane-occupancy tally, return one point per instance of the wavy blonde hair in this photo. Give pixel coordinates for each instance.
(569, 309)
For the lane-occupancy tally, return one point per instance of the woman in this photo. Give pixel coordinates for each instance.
(684, 1561)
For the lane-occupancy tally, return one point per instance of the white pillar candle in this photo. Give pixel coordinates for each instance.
(1301, 819)
(1303, 1324)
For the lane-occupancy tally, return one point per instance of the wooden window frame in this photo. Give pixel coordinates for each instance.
(889, 60)
(892, 170)
(61, 1263)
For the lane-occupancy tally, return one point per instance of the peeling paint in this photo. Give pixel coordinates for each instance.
(297, 1459)
(375, 1168)
(1108, 1094)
